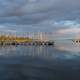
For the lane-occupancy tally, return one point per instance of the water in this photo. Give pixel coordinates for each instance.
(61, 62)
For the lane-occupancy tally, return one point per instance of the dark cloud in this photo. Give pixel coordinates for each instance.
(31, 11)
(39, 15)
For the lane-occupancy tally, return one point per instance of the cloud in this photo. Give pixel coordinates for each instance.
(32, 11)
(68, 31)
(61, 17)
(61, 29)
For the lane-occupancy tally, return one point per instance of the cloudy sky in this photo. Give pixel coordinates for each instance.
(61, 17)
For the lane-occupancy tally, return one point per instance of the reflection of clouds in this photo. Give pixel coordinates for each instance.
(62, 48)
(58, 52)
(7, 51)
(67, 45)
(40, 49)
(69, 48)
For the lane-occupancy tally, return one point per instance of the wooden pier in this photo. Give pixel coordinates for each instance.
(40, 40)
(76, 41)
(28, 43)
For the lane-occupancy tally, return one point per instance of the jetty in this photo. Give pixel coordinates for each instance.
(16, 40)
(76, 41)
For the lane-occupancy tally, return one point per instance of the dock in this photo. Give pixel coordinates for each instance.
(48, 43)
(26, 41)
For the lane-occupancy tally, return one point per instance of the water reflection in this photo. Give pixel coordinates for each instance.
(7, 50)
(61, 62)
(68, 45)
(61, 50)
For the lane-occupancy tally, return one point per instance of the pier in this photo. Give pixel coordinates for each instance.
(76, 41)
(34, 43)
(39, 40)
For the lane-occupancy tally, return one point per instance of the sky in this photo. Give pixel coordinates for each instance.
(60, 17)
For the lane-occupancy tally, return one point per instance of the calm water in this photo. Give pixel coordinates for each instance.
(61, 62)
